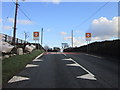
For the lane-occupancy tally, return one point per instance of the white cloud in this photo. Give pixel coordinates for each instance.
(67, 38)
(53, 1)
(56, 1)
(63, 33)
(48, 30)
(24, 22)
(104, 28)
(7, 27)
(78, 31)
(0, 20)
(77, 41)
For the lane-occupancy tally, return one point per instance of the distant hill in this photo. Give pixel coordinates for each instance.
(109, 48)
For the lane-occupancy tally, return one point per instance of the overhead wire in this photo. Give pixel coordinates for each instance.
(8, 16)
(93, 14)
(21, 10)
(24, 14)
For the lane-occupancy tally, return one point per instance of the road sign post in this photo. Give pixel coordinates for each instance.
(88, 39)
(36, 37)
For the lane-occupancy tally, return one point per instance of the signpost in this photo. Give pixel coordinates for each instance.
(36, 37)
(88, 39)
(88, 36)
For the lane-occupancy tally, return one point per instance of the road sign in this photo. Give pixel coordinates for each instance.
(36, 35)
(88, 36)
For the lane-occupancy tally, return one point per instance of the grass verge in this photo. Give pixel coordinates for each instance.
(13, 65)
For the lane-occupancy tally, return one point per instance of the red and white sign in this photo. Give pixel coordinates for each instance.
(36, 35)
(88, 36)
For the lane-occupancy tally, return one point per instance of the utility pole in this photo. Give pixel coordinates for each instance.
(41, 37)
(72, 38)
(15, 22)
(26, 35)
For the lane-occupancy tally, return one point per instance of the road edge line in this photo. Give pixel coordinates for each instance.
(38, 56)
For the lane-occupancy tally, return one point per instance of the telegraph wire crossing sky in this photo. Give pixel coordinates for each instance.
(58, 20)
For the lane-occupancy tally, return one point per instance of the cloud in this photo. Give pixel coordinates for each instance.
(53, 1)
(24, 22)
(78, 31)
(0, 20)
(56, 1)
(7, 27)
(63, 33)
(77, 41)
(104, 28)
(48, 30)
(67, 38)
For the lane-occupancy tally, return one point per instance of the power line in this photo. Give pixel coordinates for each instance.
(37, 25)
(94, 13)
(8, 16)
(24, 14)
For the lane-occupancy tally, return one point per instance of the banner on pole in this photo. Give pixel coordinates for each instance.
(36, 35)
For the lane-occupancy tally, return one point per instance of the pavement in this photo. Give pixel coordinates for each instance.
(67, 70)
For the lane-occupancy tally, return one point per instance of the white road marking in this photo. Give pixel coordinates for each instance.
(38, 56)
(73, 64)
(31, 65)
(93, 56)
(88, 76)
(65, 55)
(17, 78)
(38, 60)
(69, 59)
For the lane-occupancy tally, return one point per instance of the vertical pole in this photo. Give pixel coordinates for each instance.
(88, 46)
(41, 37)
(15, 22)
(38, 43)
(72, 38)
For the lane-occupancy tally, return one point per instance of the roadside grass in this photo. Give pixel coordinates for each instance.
(15, 64)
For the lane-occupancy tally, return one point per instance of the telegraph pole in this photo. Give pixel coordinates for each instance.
(15, 22)
(72, 38)
(41, 37)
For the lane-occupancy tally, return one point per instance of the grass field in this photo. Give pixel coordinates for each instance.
(13, 65)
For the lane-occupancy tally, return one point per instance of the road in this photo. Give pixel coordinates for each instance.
(67, 70)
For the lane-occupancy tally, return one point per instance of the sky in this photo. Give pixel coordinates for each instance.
(58, 19)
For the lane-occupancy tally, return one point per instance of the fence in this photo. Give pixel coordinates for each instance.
(8, 39)
(19, 42)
